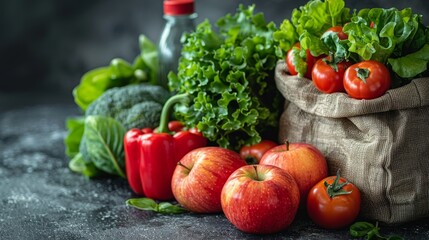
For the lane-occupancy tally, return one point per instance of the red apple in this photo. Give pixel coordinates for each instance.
(301, 160)
(200, 175)
(260, 199)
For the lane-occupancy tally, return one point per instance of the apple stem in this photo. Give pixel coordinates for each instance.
(180, 164)
(256, 172)
(287, 145)
(258, 177)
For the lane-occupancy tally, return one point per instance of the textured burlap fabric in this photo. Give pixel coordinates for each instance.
(380, 145)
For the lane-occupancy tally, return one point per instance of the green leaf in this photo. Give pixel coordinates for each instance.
(337, 49)
(286, 36)
(119, 73)
(143, 203)
(75, 127)
(148, 204)
(121, 68)
(317, 16)
(412, 64)
(379, 34)
(361, 229)
(79, 165)
(335, 9)
(313, 43)
(299, 60)
(369, 231)
(168, 208)
(103, 144)
(92, 85)
(149, 55)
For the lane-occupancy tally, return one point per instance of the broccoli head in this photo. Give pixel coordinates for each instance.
(135, 106)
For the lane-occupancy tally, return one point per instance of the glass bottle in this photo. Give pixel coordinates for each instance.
(180, 18)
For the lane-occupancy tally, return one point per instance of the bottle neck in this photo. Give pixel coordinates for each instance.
(180, 19)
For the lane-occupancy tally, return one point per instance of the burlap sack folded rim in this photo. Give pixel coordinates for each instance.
(413, 95)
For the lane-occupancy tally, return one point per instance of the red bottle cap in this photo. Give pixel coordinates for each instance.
(178, 7)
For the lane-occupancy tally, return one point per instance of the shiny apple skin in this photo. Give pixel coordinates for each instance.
(301, 160)
(260, 199)
(198, 185)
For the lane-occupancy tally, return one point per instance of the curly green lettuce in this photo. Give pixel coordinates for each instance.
(229, 76)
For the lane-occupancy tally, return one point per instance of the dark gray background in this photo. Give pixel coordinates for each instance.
(49, 44)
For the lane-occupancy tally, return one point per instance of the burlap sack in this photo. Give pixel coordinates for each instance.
(380, 145)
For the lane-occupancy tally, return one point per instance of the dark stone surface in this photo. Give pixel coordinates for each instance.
(40, 198)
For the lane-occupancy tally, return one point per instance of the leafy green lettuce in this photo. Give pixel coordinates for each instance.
(311, 21)
(378, 33)
(412, 64)
(317, 16)
(308, 24)
(229, 76)
(286, 36)
(391, 36)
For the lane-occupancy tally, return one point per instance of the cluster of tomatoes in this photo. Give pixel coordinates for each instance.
(367, 79)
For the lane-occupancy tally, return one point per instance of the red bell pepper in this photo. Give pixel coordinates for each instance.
(152, 156)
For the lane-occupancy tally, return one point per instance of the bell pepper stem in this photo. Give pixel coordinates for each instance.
(165, 113)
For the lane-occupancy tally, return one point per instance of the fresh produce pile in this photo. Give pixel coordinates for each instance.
(225, 97)
(363, 53)
(114, 99)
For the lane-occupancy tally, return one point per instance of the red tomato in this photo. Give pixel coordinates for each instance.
(336, 211)
(175, 126)
(367, 80)
(310, 60)
(253, 153)
(339, 31)
(327, 79)
(195, 130)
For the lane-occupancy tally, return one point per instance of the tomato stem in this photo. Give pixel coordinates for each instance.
(332, 61)
(336, 188)
(362, 73)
